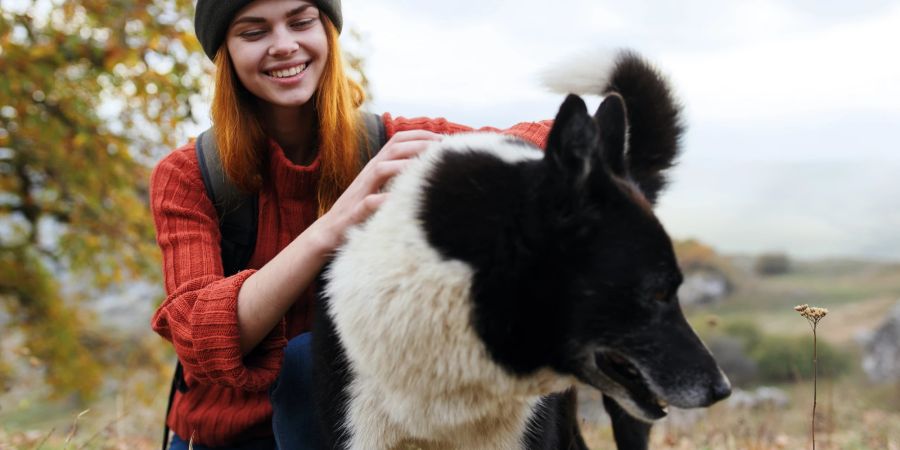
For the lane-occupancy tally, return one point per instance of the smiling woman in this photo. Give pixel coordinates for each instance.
(287, 128)
(278, 51)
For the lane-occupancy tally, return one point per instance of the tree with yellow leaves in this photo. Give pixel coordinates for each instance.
(91, 93)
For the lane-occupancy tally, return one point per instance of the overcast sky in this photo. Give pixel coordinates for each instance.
(792, 107)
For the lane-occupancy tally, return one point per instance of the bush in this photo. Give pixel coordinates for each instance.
(773, 264)
(746, 331)
(750, 357)
(693, 255)
(782, 359)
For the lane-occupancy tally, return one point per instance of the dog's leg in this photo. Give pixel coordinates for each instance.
(554, 426)
(630, 433)
(571, 438)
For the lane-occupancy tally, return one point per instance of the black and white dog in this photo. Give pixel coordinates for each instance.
(497, 276)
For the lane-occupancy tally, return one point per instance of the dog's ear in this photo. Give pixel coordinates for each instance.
(573, 144)
(612, 120)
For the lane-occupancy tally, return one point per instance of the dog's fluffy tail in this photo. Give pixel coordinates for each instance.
(588, 73)
(654, 116)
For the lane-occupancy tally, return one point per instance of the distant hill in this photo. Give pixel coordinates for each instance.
(808, 210)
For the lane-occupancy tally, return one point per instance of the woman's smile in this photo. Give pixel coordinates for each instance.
(290, 72)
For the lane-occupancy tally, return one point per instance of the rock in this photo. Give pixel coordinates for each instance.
(704, 286)
(765, 396)
(731, 354)
(881, 361)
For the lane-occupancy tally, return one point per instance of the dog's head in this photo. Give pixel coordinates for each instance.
(627, 336)
(573, 271)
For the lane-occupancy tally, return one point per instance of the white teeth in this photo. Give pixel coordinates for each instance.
(288, 72)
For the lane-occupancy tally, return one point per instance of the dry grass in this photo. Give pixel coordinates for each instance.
(852, 414)
(846, 420)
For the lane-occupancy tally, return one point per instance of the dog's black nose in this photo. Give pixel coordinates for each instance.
(720, 389)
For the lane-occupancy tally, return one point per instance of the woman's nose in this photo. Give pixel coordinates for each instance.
(283, 43)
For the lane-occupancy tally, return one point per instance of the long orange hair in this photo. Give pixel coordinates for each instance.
(242, 141)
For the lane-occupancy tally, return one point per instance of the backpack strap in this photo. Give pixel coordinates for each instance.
(374, 137)
(238, 211)
(238, 214)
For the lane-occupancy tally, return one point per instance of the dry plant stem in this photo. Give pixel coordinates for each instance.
(75, 427)
(44, 441)
(98, 432)
(815, 376)
(813, 315)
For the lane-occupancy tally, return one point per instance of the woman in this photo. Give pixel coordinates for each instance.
(285, 115)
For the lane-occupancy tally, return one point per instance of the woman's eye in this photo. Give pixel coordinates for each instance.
(299, 24)
(251, 34)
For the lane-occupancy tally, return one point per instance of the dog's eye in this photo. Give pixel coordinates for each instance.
(661, 296)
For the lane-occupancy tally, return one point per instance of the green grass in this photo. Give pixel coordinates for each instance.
(857, 293)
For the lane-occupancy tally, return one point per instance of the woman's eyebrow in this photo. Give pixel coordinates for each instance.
(251, 19)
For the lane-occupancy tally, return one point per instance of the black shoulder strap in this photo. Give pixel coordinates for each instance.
(238, 214)
(238, 211)
(374, 137)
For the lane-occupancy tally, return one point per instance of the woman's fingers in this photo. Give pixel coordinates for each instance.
(363, 197)
(395, 157)
(403, 150)
(385, 170)
(415, 135)
(370, 204)
(407, 144)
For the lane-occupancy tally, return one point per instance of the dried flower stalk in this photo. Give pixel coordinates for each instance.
(813, 315)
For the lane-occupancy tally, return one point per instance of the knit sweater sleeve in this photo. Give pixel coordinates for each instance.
(534, 132)
(199, 314)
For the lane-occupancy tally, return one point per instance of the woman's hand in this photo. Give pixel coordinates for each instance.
(266, 295)
(364, 196)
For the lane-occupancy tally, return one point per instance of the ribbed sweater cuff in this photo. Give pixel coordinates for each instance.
(534, 132)
(216, 339)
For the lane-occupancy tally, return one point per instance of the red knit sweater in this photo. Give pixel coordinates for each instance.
(227, 402)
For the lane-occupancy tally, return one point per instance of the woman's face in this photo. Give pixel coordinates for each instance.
(278, 48)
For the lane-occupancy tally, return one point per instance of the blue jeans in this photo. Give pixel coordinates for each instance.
(261, 444)
(294, 420)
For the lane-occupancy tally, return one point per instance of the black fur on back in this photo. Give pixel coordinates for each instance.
(479, 209)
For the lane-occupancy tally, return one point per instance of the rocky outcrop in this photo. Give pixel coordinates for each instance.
(881, 361)
(704, 286)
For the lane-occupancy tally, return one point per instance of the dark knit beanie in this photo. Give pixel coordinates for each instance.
(212, 18)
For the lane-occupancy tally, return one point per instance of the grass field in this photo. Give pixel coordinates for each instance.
(847, 419)
(852, 414)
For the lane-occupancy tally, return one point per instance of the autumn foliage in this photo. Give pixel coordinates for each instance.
(91, 93)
